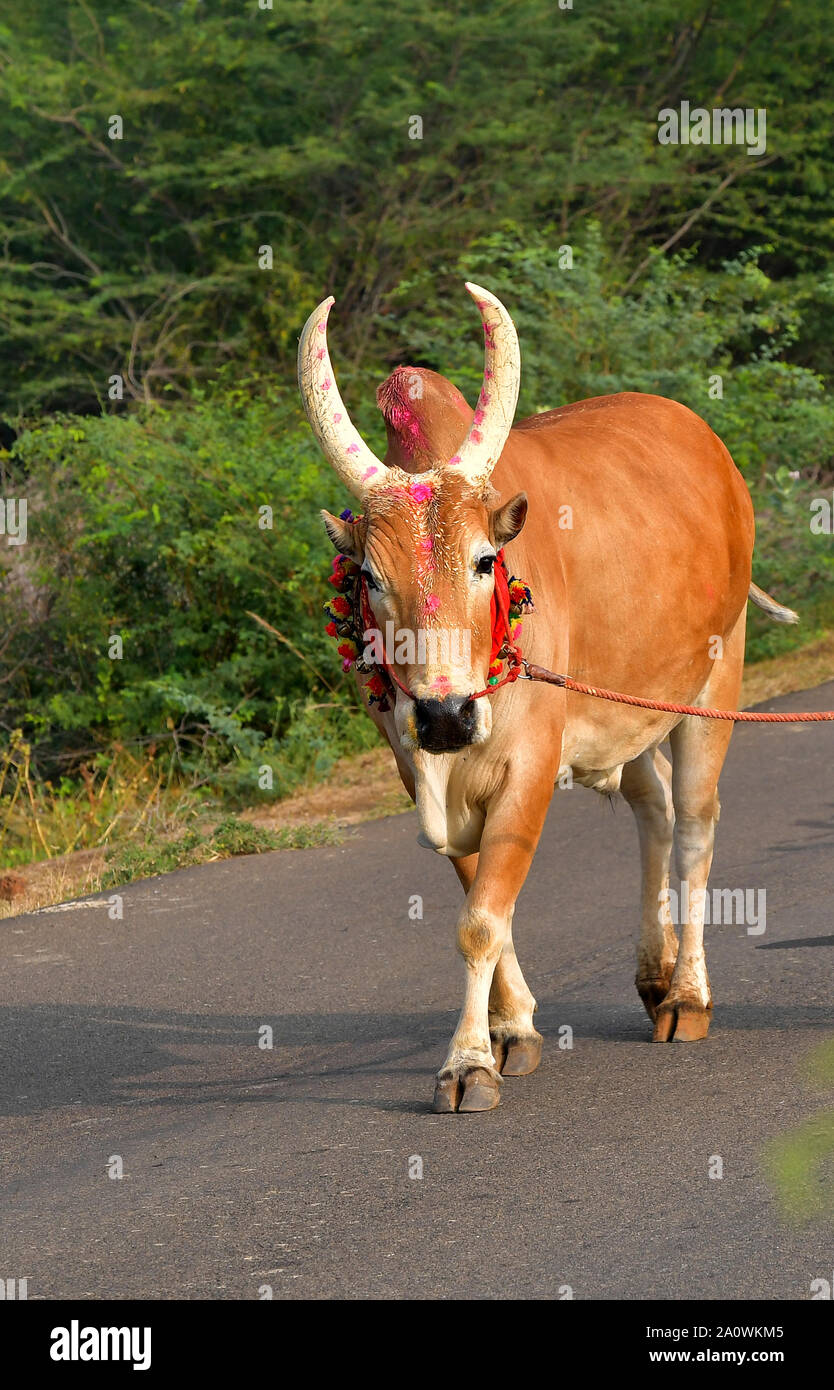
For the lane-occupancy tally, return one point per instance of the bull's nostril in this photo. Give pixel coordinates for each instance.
(443, 725)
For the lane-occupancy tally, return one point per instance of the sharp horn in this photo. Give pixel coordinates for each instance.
(359, 468)
(494, 413)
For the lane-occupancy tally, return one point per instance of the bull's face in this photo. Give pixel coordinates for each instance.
(427, 550)
(427, 541)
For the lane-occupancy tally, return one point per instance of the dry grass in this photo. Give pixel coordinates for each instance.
(363, 788)
(51, 881)
(781, 675)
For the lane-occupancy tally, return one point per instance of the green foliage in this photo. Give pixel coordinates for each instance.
(798, 1162)
(150, 528)
(290, 128)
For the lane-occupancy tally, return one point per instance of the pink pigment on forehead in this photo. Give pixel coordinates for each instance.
(432, 603)
(427, 544)
(441, 683)
(420, 492)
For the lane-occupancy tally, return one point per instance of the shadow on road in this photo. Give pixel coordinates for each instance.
(56, 1056)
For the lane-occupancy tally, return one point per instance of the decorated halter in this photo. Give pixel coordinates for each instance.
(349, 616)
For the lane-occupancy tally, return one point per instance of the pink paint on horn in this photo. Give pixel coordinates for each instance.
(321, 354)
(326, 384)
(455, 458)
(322, 327)
(475, 436)
(369, 472)
(478, 417)
(354, 449)
(488, 374)
(337, 416)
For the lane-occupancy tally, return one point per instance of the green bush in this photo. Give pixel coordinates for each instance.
(145, 527)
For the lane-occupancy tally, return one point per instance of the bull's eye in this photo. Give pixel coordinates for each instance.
(370, 580)
(484, 564)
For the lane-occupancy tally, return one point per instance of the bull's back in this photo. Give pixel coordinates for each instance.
(639, 534)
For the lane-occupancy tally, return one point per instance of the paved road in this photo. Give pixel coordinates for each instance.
(246, 1167)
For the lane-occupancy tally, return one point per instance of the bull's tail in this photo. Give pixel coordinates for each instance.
(770, 606)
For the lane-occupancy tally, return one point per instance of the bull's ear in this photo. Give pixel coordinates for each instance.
(508, 520)
(343, 535)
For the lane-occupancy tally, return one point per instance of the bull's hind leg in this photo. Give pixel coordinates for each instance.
(699, 747)
(516, 1044)
(647, 787)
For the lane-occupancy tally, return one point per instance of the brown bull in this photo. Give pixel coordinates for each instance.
(637, 547)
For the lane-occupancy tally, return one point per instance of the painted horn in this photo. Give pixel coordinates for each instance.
(359, 469)
(494, 413)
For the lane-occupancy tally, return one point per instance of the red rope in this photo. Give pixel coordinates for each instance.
(539, 673)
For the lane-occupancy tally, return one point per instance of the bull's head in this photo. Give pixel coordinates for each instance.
(427, 541)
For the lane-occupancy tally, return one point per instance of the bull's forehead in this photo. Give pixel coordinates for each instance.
(432, 516)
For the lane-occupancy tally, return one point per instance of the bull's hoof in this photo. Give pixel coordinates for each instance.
(679, 1021)
(465, 1091)
(517, 1054)
(653, 991)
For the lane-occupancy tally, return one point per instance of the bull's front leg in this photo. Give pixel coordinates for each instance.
(516, 1044)
(469, 1078)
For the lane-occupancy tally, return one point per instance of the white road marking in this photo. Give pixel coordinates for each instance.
(71, 907)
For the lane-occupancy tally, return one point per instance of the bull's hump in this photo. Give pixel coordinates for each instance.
(426, 418)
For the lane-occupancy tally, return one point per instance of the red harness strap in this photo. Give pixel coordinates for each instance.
(502, 634)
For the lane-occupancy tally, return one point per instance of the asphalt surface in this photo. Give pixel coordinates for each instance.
(245, 1167)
